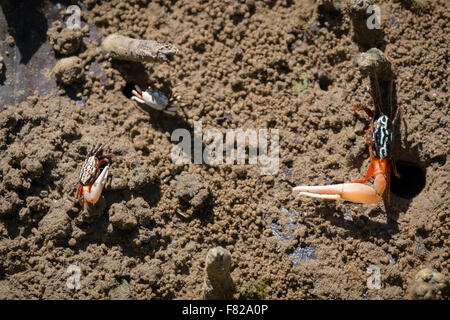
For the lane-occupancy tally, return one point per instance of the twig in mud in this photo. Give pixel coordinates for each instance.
(125, 48)
(374, 61)
(218, 283)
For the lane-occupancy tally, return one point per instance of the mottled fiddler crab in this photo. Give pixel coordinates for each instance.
(156, 99)
(90, 180)
(379, 138)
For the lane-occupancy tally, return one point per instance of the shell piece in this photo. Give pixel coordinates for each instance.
(125, 48)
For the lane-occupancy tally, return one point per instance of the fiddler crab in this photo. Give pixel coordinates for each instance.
(156, 99)
(379, 138)
(90, 180)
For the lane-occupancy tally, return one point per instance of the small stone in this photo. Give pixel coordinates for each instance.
(2, 68)
(24, 213)
(50, 244)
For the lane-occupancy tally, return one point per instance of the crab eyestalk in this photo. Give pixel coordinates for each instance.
(354, 192)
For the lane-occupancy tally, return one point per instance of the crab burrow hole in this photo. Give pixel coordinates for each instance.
(411, 181)
(324, 82)
(127, 90)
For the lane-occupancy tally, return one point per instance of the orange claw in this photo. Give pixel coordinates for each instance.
(355, 192)
(92, 193)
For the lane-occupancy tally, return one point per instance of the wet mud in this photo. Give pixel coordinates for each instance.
(286, 65)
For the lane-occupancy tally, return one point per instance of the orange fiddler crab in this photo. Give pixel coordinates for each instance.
(379, 137)
(90, 180)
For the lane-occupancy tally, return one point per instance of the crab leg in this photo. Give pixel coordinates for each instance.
(171, 110)
(355, 192)
(92, 193)
(78, 195)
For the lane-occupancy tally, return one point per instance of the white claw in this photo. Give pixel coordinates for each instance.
(355, 192)
(93, 195)
(137, 98)
(154, 99)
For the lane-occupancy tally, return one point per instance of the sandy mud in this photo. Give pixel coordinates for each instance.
(286, 65)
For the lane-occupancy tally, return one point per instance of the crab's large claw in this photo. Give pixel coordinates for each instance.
(137, 95)
(354, 192)
(92, 193)
(156, 100)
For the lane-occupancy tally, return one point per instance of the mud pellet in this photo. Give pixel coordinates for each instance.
(72, 242)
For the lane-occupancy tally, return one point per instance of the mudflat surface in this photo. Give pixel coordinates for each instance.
(236, 66)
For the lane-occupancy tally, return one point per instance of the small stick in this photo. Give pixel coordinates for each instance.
(125, 48)
(218, 283)
(374, 61)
